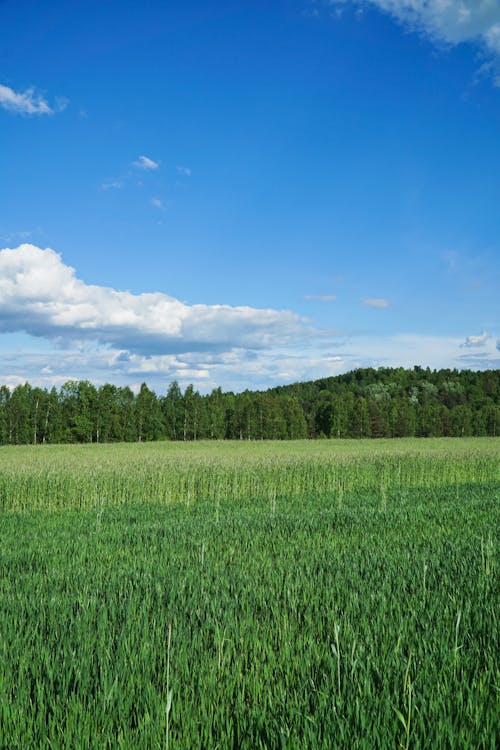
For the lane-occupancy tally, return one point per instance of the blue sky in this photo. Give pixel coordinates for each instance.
(248, 193)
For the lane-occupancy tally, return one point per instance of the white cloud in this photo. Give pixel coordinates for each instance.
(18, 236)
(41, 295)
(310, 12)
(158, 203)
(451, 260)
(236, 368)
(186, 171)
(28, 102)
(76, 330)
(378, 302)
(113, 184)
(472, 341)
(144, 162)
(320, 297)
(61, 103)
(450, 21)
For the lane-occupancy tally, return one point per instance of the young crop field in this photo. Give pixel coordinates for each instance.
(328, 594)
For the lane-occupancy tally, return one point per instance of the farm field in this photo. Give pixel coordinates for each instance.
(329, 594)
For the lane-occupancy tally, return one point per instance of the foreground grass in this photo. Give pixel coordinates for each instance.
(361, 618)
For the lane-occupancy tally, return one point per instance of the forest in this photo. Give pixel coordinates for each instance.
(364, 403)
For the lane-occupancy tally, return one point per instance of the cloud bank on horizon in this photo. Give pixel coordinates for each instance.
(101, 334)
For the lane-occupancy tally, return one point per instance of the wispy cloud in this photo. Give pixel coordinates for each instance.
(186, 171)
(158, 203)
(29, 102)
(378, 302)
(450, 258)
(443, 21)
(117, 184)
(473, 341)
(310, 12)
(320, 297)
(19, 236)
(144, 162)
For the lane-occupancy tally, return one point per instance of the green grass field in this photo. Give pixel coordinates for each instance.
(254, 595)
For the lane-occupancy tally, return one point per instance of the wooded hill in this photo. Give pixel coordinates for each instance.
(360, 404)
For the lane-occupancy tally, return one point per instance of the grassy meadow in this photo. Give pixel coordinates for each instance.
(328, 594)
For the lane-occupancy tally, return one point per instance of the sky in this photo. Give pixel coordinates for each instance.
(247, 193)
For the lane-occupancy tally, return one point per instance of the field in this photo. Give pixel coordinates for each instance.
(329, 594)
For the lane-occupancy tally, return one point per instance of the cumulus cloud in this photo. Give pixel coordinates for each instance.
(449, 21)
(77, 330)
(28, 102)
(144, 162)
(41, 295)
(473, 341)
(378, 302)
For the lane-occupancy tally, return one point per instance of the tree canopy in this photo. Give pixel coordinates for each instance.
(363, 403)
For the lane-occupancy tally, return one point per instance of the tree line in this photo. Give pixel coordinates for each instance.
(364, 403)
